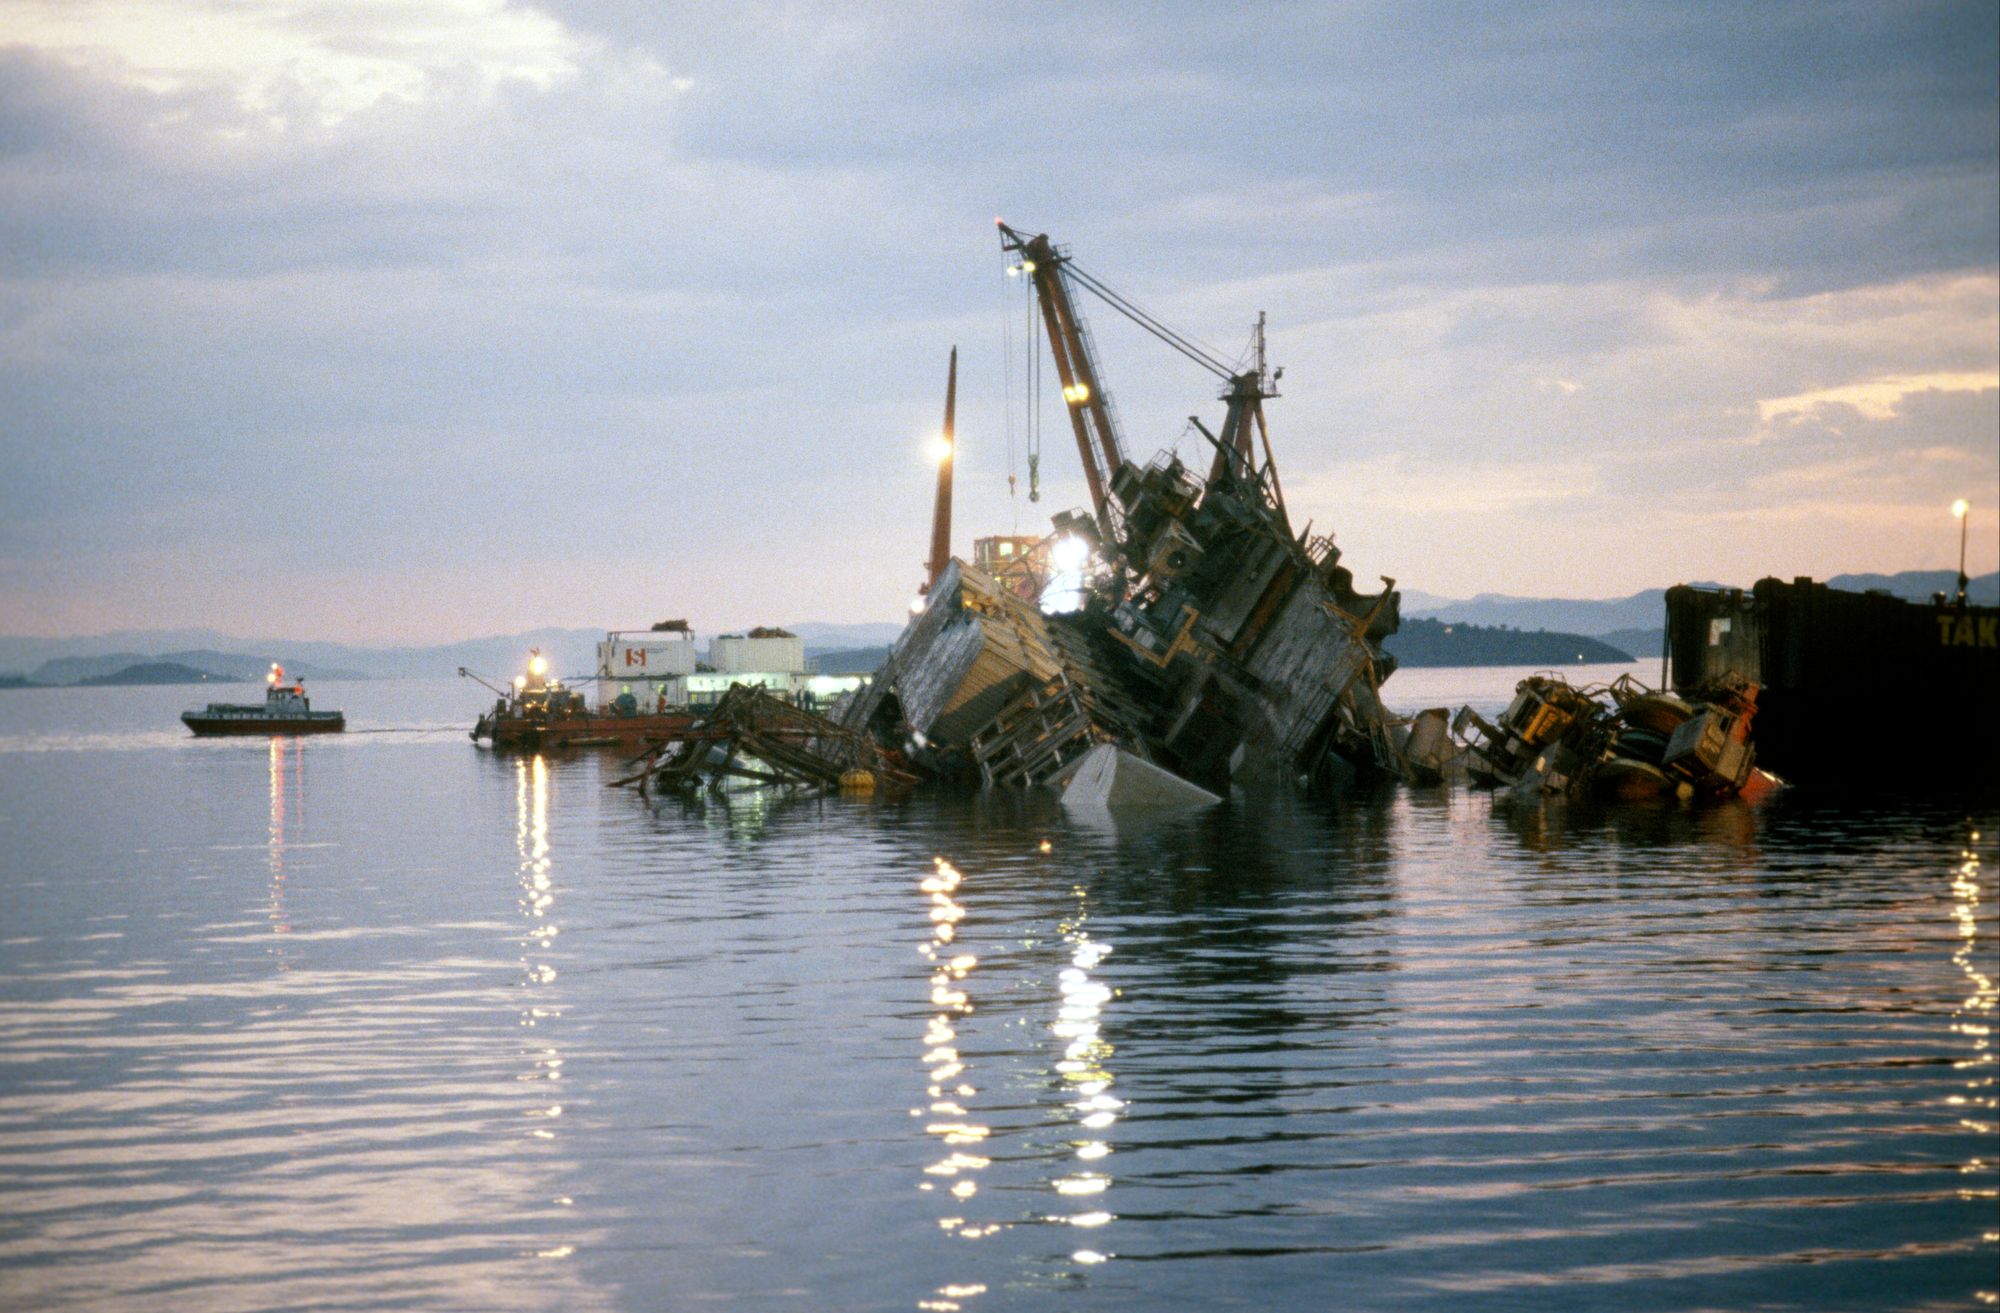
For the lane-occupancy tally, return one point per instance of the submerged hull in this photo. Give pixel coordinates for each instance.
(212, 726)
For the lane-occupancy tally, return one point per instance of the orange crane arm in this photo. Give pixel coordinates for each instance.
(947, 457)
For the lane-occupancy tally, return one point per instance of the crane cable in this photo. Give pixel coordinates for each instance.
(1198, 352)
(1007, 394)
(1034, 438)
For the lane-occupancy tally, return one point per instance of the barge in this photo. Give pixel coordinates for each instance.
(1856, 688)
(541, 713)
(650, 688)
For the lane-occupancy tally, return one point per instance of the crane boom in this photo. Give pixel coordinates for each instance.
(1083, 393)
(1089, 414)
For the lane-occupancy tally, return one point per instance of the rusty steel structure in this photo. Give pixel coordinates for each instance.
(750, 735)
(1620, 740)
(1020, 563)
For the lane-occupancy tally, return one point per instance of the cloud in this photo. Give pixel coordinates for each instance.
(287, 62)
(1877, 399)
(1426, 423)
(1395, 484)
(687, 275)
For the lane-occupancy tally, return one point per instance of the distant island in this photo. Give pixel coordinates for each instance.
(207, 666)
(138, 672)
(1422, 642)
(154, 672)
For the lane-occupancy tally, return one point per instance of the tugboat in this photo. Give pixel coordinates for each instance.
(286, 710)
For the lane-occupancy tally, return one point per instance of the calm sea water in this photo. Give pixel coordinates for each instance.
(386, 1021)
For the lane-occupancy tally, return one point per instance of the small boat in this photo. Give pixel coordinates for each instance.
(285, 710)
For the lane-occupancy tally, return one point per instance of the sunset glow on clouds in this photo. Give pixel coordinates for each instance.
(1879, 398)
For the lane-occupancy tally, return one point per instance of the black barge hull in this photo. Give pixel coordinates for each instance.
(1858, 689)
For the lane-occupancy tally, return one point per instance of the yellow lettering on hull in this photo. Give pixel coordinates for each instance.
(1964, 631)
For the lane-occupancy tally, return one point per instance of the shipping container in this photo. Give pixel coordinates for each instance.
(645, 654)
(758, 651)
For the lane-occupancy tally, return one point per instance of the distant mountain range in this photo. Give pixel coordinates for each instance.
(1631, 624)
(851, 661)
(204, 662)
(1639, 612)
(570, 651)
(1635, 623)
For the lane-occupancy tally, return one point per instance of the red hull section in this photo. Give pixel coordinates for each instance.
(534, 734)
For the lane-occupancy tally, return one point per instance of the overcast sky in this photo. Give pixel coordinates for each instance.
(410, 320)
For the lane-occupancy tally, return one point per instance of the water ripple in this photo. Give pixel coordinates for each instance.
(406, 1025)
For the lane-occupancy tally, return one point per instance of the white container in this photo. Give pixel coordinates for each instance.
(735, 654)
(645, 655)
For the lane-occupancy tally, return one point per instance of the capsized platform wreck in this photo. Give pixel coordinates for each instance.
(1203, 633)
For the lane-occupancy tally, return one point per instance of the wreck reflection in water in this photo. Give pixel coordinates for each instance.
(1459, 1052)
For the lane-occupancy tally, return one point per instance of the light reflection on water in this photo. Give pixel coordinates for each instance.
(1085, 1067)
(1976, 1019)
(950, 1088)
(538, 972)
(400, 1023)
(287, 784)
(279, 1084)
(1065, 1134)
